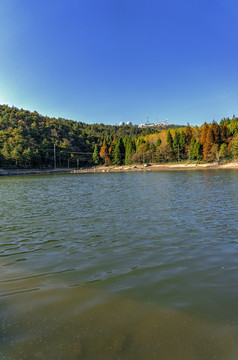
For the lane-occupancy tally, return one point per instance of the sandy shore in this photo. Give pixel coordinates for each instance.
(158, 167)
(123, 168)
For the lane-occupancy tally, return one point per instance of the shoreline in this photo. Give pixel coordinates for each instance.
(122, 168)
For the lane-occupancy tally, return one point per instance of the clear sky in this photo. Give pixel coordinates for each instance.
(121, 60)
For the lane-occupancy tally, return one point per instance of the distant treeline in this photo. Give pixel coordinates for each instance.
(28, 139)
(210, 142)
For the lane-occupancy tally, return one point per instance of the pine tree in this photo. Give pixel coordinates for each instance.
(158, 142)
(176, 146)
(216, 132)
(224, 133)
(96, 156)
(192, 154)
(130, 149)
(169, 139)
(182, 143)
(209, 142)
(119, 153)
(188, 133)
(205, 128)
(112, 149)
(197, 151)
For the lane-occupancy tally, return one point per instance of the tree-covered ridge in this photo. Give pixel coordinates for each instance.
(210, 142)
(28, 139)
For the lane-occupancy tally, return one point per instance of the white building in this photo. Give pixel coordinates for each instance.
(154, 125)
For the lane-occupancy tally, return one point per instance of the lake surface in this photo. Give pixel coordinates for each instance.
(119, 266)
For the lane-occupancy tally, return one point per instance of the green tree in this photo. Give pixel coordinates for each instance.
(182, 143)
(223, 152)
(16, 154)
(27, 156)
(197, 151)
(119, 152)
(176, 144)
(6, 151)
(36, 158)
(130, 149)
(158, 142)
(234, 148)
(169, 139)
(96, 156)
(192, 154)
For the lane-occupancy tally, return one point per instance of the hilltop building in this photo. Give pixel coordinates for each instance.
(154, 125)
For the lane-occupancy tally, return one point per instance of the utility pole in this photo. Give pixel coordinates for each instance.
(54, 157)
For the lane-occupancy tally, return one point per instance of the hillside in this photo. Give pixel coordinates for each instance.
(30, 140)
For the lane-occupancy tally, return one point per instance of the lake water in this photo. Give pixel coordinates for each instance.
(119, 266)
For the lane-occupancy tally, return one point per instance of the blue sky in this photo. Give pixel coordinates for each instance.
(121, 60)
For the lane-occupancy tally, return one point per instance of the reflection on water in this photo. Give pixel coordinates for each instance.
(119, 266)
(81, 323)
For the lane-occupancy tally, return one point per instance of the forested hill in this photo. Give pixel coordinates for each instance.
(28, 139)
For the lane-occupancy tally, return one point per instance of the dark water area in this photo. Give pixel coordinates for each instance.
(119, 266)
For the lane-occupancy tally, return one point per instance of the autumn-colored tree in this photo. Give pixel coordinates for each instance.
(112, 150)
(104, 152)
(224, 132)
(216, 132)
(205, 128)
(143, 147)
(214, 153)
(165, 153)
(207, 146)
(188, 133)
